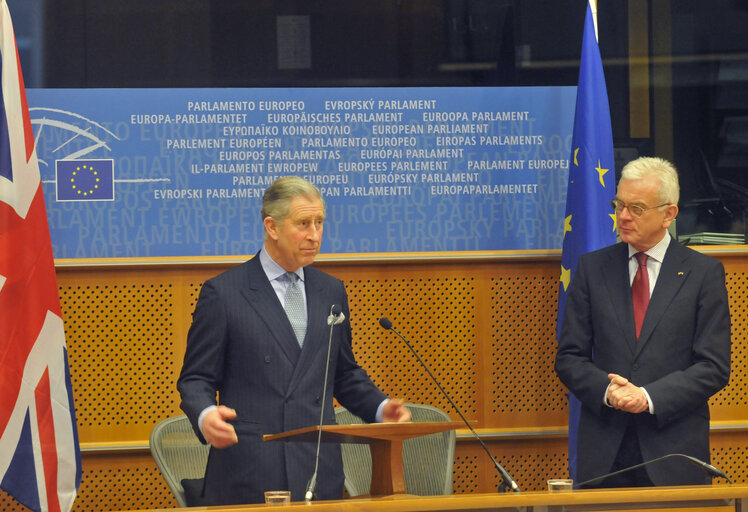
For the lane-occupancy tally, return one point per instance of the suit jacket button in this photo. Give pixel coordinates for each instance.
(267, 359)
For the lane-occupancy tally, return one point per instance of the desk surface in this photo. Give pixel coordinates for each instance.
(600, 499)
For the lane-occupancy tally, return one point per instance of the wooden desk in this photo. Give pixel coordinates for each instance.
(385, 441)
(724, 497)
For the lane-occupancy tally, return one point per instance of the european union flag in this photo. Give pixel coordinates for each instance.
(590, 222)
(85, 180)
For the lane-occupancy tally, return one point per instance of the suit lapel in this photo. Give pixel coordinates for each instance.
(616, 276)
(261, 296)
(673, 274)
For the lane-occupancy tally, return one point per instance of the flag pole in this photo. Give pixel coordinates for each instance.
(593, 8)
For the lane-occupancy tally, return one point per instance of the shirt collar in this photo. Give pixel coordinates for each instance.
(272, 269)
(656, 252)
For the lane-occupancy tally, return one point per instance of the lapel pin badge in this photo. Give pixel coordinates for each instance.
(680, 273)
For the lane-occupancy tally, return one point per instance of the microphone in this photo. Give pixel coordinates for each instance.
(506, 479)
(336, 317)
(693, 460)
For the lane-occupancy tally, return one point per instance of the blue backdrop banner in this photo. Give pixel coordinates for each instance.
(181, 172)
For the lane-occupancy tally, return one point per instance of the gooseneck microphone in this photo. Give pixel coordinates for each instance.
(507, 480)
(336, 317)
(693, 460)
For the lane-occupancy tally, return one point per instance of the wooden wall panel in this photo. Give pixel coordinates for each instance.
(114, 481)
(523, 388)
(529, 461)
(730, 454)
(731, 404)
(485, 327)
(122, 345)
(122, 481)
(442, 332)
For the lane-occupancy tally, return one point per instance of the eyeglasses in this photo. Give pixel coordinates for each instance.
(634, 209)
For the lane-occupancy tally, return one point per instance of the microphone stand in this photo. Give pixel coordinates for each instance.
(332, 320)
(507, 480)
(693, 460)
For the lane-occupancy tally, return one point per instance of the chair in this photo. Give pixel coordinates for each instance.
(178, 454)
(427, 460)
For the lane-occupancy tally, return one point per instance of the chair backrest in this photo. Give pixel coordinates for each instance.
(427, 460)
(178, 453)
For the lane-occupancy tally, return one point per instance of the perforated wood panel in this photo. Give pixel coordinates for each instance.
(523, 385)
(114, 482)
(729, 454)
(530, 462)
(122, 482)
(449, 350)
(465, 472)
(9, 504)
(193, 292)
(486, 329)
(734, 398)
(121, 345)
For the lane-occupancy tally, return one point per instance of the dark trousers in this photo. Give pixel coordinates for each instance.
(629, 454)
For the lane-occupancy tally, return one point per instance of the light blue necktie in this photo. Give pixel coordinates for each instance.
(294, 306)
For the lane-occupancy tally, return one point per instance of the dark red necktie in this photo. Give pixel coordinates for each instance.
(640, 291)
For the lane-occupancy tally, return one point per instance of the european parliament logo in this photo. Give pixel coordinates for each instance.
(85, 180)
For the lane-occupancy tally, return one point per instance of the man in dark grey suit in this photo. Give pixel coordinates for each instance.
(267, 363)
(644, 367)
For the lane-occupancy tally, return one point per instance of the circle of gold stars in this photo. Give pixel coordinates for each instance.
(86, 190)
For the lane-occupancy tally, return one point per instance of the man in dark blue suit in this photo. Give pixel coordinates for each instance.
(268, 366)
(645, 341)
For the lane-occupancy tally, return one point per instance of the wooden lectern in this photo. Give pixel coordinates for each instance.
(385, 441)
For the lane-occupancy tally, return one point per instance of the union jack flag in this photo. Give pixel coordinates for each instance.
(40, 462)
